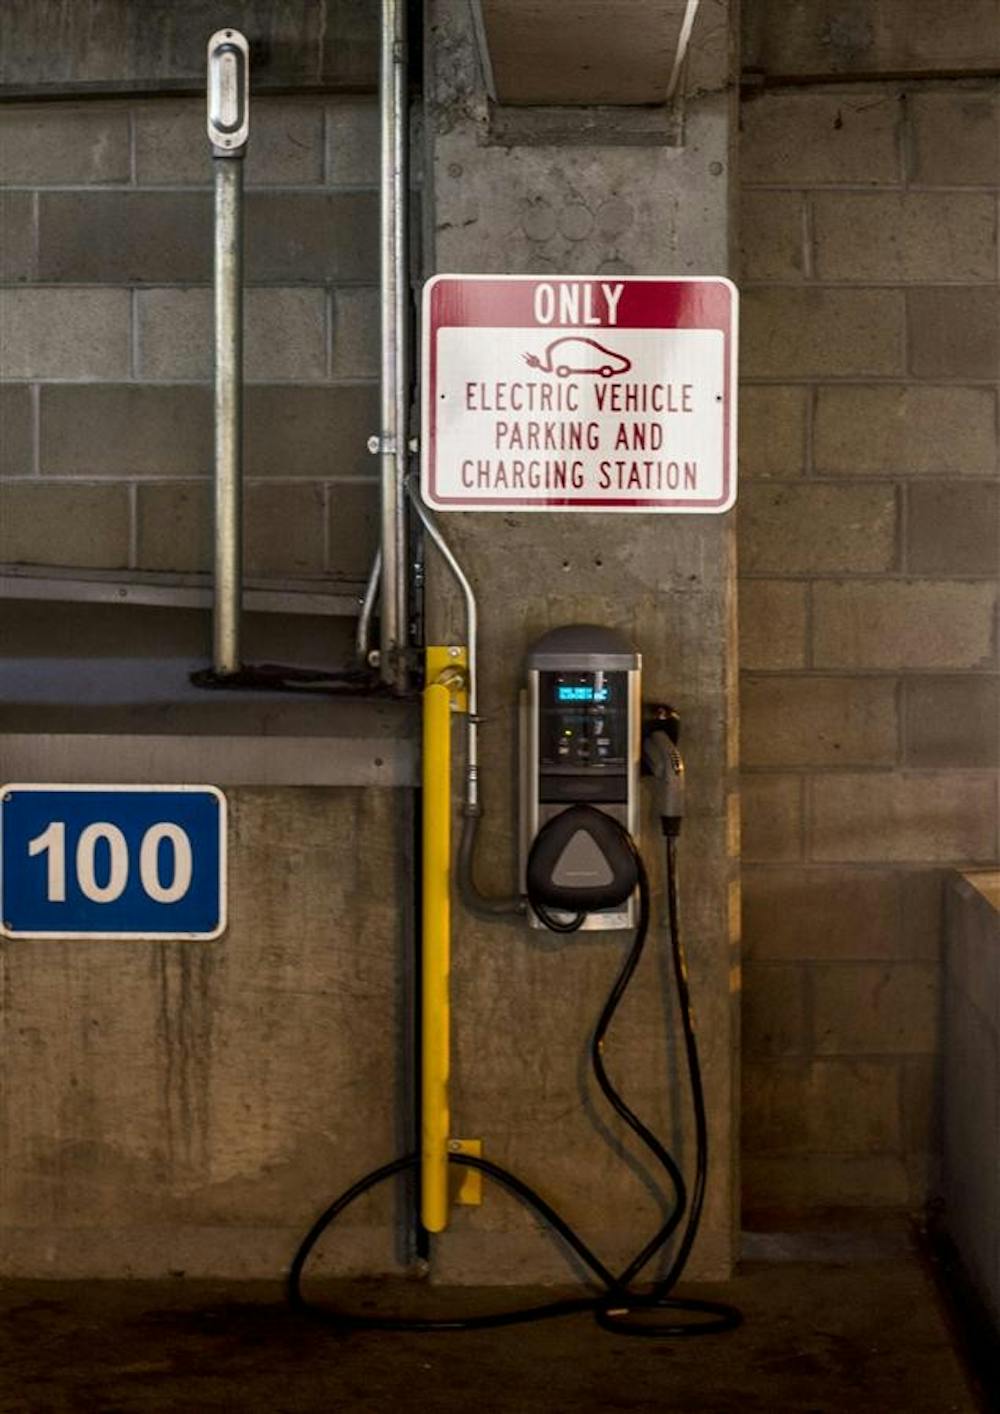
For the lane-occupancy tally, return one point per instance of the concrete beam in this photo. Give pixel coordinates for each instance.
(174, 591)
(825, 39)
(107, 46)
(587, 52)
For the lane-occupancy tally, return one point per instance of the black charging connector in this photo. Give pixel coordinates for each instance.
(581, 862)
(661, 759)
(660, 716)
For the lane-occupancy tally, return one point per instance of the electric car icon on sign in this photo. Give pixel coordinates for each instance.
(573, 354)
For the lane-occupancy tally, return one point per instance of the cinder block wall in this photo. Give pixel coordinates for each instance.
(106, 335)
(868, 547)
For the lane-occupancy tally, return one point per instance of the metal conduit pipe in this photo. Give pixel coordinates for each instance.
(228, 121)
(363, 634)
(471, 637)
(478, 904)
(394, 274)
(401, 250)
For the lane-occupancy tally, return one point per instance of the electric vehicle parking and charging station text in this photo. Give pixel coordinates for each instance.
(579, 394)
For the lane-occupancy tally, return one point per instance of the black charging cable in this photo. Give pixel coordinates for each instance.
(632, 1317)
(554, 924)
(617, 1307)
(480, 905)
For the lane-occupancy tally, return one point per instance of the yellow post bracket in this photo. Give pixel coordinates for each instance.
(445, 686)
(445, 665)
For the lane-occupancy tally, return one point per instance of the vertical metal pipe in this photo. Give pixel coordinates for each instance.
(228, 123)
(228, 415)
(394, 274)
(402, 293)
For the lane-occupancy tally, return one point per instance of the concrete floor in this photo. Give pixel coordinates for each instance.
(818, 1337)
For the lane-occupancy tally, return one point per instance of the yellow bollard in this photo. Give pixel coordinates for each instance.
(436, 961)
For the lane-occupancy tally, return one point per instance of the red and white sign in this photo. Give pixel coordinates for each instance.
(576, 393)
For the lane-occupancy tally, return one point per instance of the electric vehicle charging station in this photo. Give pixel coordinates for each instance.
(583, 870)
(580, 746)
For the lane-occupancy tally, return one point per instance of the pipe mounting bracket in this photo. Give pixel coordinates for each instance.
(449, 665)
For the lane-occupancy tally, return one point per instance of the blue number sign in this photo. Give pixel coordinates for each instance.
(112, 862)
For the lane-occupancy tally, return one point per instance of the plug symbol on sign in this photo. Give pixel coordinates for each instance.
(578, 355)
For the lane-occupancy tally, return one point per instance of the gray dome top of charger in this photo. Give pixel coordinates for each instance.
(583, 648)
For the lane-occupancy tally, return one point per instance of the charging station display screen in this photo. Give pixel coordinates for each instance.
(580, 692)
(582, 733)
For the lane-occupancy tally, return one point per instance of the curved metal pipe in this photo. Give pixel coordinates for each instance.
(363, 634)
(478, 904)
(471, 635)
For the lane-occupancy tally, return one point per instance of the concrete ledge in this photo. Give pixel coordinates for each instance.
(125, 721)
(586, 127)
(470, 1253)
(972, 1078)
(228, 1250)
(250, 1252)
(80, 757)
(838, 1247)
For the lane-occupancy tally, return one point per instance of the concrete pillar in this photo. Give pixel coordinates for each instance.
(524, 1002)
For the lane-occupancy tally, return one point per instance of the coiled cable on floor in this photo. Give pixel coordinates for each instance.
(617, 1307)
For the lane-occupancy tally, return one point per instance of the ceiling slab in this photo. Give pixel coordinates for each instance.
(582, 52)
